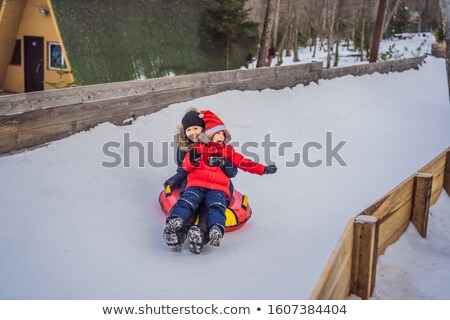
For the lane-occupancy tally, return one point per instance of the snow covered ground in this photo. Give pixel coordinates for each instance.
(417, 268)
(71, 228)
(390, 49)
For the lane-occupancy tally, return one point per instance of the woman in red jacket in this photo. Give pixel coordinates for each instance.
(206, 180)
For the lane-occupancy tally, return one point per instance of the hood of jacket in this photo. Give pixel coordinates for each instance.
(183, 142)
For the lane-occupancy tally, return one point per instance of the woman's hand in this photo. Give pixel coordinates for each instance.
(194, 155)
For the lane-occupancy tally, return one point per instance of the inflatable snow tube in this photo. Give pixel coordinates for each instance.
(237, 213)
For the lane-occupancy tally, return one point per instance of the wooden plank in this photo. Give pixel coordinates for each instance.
(394, 237)
(54, 116)
(342, 289)
(56, 98)
(324, 288)
(392, 201)
(389, 228)
(437, 187)
(421, 202)
(435, 166)
(35, 137)
(446, 182)
(364, 261)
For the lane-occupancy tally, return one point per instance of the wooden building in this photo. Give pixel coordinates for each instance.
(32, 53)
(53, 43)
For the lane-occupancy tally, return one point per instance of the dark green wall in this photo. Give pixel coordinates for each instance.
(119, 40)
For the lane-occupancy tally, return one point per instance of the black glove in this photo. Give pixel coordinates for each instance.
(169, 183)
(270, 169)
(216, 161)
(194, 156)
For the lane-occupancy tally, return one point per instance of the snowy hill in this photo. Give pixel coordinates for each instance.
(73, 229)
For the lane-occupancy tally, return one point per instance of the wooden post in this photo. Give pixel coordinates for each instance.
(364, 262)
(447, 173)
(378, 30)
(421, 202)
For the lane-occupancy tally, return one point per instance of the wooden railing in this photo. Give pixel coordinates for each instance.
(352, 265)
(33, 119)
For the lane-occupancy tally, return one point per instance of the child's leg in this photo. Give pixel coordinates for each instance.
(187, 204)
(215, 202)
(203, 221)
(198, 235)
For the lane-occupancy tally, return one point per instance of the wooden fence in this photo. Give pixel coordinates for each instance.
(352, 265)
(33, 119)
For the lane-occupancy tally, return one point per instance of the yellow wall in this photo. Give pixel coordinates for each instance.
(10, 17)
(35, 24)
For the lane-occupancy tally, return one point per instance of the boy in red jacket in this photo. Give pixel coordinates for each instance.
(206, 180)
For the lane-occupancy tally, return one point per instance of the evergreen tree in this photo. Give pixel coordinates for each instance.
(400, 21)
(226, 23)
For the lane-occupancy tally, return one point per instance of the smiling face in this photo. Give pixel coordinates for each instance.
(193, 132)
(219, 137)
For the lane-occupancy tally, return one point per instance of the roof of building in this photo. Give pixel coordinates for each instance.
(110, 41)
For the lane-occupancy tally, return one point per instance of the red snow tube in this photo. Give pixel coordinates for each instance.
(237, 213)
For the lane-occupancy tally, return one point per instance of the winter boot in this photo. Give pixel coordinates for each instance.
(174, 223)
(171, 238)
(174, 239)
(196, 239)
(215, 234)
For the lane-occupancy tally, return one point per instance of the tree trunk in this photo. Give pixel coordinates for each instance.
(280, 48)
(445, 12)
(363, 31)
(315, 47)
(275, 24)
(295, 45)
(331, 31)
(285, 35)
(288, 43)
(228, 54)
(377, 31)
(266, 34)
(336, 55)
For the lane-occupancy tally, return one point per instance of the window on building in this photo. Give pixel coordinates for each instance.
(55, 57)
(16, 59)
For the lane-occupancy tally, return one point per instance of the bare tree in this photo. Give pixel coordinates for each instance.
(295, 36)
(275, 25)
(266, 34)
(334, 12)
(285, 33)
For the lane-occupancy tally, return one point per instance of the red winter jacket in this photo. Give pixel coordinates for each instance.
(204, 176)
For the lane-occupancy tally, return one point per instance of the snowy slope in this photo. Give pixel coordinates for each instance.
(72, 229)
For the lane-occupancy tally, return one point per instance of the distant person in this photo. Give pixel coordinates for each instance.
(249, 60)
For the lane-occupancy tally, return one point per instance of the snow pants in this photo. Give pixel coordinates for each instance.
(214, 202)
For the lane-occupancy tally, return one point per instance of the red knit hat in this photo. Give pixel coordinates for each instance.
(213, 124)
